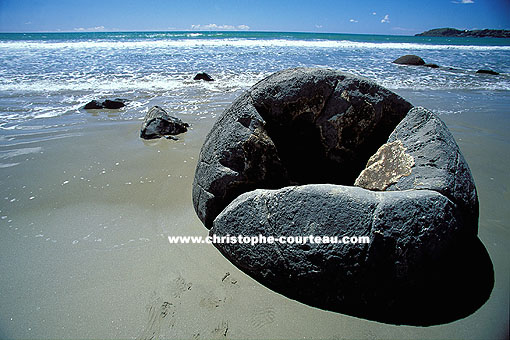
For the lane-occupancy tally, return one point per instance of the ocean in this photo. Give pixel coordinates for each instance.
(86, 206)
(44, 75)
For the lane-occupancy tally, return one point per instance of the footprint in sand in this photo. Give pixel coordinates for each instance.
(262, 316)
(228, 280)
(179, 286)
(163, 307)
(211, 302)
(221, 330)
(157, 313)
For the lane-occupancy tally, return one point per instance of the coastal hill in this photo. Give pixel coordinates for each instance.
(453, 32)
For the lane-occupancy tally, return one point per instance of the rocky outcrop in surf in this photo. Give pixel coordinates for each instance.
(409, 59)
(105, 104)
(203, 76)
(491, 72)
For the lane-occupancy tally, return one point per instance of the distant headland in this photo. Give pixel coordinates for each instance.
(453, 32)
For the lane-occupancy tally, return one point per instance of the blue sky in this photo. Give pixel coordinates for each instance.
(351, 16)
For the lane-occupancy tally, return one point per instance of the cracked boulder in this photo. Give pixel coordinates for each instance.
(298, 126)
(283, 159)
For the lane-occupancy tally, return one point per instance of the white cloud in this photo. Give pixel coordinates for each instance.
(386, 19)
(318, 26)
(213, 27)
(374, 13)
(90, 29)
(464, 2)
(352, 20)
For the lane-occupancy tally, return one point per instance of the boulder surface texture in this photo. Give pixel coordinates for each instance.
(282, 161)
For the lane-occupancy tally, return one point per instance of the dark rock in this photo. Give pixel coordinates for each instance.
(92, 105)
(409, 59)
(105, 104)
(203, 76)
(237, 156)
(296, 126)
(159, 123)
(113, 104)
(431, 65)
(408, 273)
(423, 264)
(488, 72)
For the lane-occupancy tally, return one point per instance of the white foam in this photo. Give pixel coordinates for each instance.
(19, 152)
(250, 43)
(97, 84)
(7, 165)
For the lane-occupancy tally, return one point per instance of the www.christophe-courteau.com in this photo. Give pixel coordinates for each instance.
(261, 239)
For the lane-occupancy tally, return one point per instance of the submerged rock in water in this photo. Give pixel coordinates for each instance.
(159, 123)
(105, 104)
(409, 59)
(203, 76)
(281, 161)
(431, 65)
(488, 72)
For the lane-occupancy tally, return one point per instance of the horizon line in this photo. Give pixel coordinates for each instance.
(76, 31)
(193, 31)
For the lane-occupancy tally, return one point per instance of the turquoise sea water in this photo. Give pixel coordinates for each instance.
(54, 74)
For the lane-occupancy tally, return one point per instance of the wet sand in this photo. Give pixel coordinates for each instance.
(85, 217)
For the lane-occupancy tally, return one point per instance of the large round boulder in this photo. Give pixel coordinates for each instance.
(311, 155)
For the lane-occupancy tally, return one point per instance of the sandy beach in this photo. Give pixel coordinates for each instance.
(86, 213)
